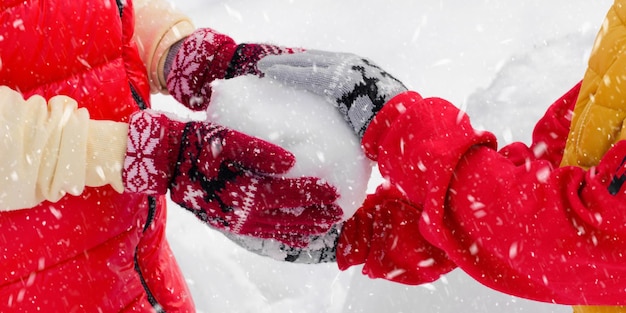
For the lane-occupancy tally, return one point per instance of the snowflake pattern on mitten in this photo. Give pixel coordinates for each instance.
(202, 58)
(226, 178)
(146, 155)
(206, 56)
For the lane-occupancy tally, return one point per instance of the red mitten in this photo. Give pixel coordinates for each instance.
(383, 234)
(207, 55)
(227, 179)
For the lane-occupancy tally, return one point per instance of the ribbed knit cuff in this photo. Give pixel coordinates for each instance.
(150, 153)
(106, 146)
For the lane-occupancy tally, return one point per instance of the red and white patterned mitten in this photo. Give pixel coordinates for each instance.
(227, 179)
(207, 55)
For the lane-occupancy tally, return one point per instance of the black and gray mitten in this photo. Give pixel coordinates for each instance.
(320, 249)
(357, 86)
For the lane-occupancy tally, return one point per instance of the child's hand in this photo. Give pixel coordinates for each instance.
(384, 235)
(227, 179)
(357, 86)
(207, 55)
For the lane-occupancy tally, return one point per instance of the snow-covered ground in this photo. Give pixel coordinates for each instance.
(503, 62)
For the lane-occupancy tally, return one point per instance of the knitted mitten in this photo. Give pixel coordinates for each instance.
(206, 55)
(226, 178)
(358, 87)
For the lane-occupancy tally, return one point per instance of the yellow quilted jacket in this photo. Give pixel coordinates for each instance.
(600, 110)
(601, 107)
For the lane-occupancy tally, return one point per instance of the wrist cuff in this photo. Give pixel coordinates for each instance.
(106, 145)
(380, 124)
(176, 34)
(150, 152)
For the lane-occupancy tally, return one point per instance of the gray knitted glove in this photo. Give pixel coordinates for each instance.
(357, 86)
(321, 248)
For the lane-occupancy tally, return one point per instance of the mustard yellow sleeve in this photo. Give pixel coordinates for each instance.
(158, 25)
(598, 309)
(50, 149)
(600, 110)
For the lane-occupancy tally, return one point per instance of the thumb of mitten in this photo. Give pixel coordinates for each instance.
(355, 241)
(390, 246)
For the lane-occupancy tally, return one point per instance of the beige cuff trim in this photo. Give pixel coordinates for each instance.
(44, 149)
(158, 26)
(176, 33)
(106, 148)
(52, 148)
(63, 160)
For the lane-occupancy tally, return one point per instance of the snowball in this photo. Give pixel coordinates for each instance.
(301, 122)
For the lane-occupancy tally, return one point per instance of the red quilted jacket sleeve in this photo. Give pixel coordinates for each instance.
(511, 218)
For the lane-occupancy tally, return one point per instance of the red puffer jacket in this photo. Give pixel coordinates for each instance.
(102, 251)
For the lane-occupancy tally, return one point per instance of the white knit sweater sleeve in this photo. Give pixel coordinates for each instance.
(50, 149)
(158, 25)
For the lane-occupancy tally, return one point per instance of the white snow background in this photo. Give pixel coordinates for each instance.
(504, 62)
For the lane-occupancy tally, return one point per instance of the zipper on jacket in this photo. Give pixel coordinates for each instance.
(120, 6)
(151, 299)
(152, 207)
(138, 99)
(152, 202)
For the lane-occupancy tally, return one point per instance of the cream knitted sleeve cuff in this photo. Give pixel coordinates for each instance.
(52, 148)
(106, 148)
(158, 26)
